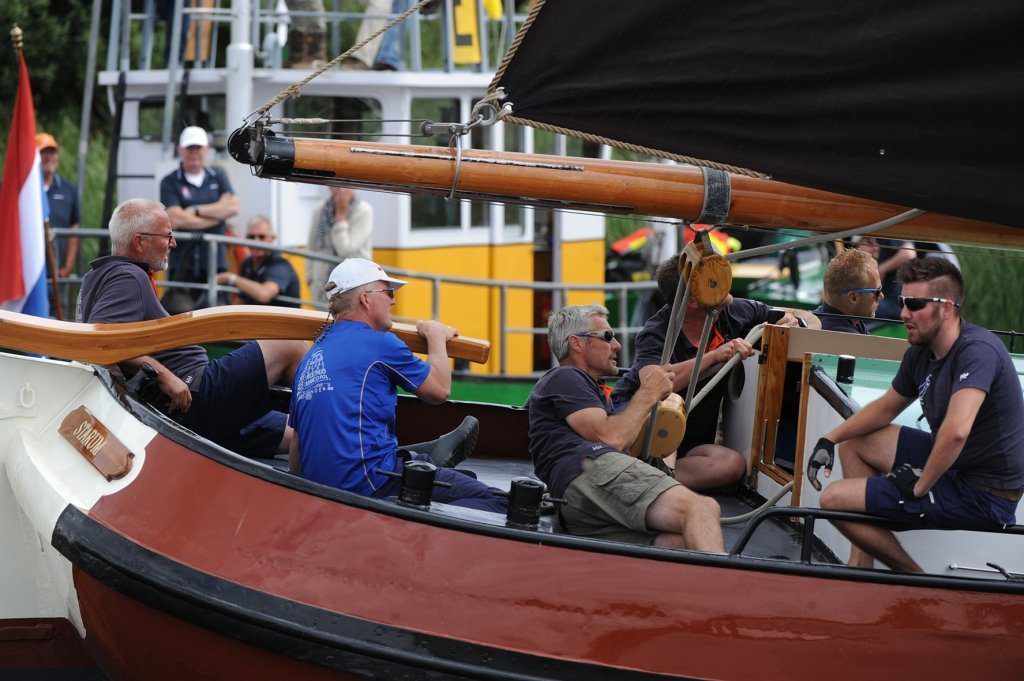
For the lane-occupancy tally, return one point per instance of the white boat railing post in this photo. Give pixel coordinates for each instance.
(412, 36)
(503, 329)
(622, 330)
(435, 298)
(447, 31)
(212, 247)
(481, 27)
(173, 55)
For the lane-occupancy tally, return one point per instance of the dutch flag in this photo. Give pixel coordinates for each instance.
(22, 241)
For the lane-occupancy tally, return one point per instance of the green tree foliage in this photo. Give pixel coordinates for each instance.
(56, 44)
(56, 35)
(994, 296)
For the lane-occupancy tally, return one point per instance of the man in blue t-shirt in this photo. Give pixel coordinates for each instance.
(578, 441)
(264, 275)
(968, 472)
(345, 395)
(700, 464)
(199, 199)
(63, 198)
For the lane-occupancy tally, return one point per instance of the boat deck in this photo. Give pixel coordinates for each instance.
(773, 540)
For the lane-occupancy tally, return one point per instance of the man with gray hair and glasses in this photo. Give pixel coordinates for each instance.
(227, 400)
(577, 442)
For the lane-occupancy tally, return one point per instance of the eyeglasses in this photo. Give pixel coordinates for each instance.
(390, 291)
(915, 304)
(169, 235)
(259, 237)
(607, 335)
(876, 291)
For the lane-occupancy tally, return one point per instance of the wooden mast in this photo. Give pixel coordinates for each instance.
(592, 184)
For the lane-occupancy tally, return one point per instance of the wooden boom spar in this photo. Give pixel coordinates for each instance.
(110, 343)
(671, 191)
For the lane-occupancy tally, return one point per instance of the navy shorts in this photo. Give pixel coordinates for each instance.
(952, 503)
(232, 406)
(464, 491)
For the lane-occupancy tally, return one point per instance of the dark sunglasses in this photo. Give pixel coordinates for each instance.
(916, 304)
(390, 291)
(607, 335)
(259, 237)
(169, 236)
(876, 291)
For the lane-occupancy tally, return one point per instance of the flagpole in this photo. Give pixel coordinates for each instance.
(17, 38)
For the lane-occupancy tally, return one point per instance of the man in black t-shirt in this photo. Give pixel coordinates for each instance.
(226, 400)
(577, 442)
(701, 464)
(264, 275)
(968, 472)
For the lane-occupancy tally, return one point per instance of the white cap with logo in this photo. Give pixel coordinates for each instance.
(355, 272)
(193, 136)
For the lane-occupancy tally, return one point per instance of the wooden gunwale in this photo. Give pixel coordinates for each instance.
(110, 343)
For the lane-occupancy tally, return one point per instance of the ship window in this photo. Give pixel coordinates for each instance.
(431, 212)
(206, 111)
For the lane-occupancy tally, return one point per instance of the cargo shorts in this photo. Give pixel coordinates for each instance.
(610, 498)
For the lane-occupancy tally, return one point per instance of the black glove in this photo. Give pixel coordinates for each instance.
(905, 478)
(823, 454)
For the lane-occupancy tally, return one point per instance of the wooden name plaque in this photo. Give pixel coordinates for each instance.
(98, 445)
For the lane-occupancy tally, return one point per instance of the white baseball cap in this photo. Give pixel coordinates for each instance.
(355, 272)
(193, 136)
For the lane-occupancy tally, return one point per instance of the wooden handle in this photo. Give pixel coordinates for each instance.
(110, 343)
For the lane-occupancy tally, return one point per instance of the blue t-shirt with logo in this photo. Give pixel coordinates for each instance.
(343, 405)
(993, 454)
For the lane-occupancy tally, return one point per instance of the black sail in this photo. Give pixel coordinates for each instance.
(914, 102)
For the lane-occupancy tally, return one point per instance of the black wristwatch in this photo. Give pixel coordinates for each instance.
(195, 209)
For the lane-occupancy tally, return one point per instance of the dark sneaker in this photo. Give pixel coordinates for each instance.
(453, 448)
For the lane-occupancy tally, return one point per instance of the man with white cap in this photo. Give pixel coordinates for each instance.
(344, 397)
(199, 198)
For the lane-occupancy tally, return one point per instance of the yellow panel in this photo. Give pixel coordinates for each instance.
(299, 264)
(513, 263)
(466, 41)
(583, 262)
(471, 309)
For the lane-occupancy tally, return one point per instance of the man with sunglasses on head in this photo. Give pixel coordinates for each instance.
(265, 275)
(700, 464)
(852, 288)
(578, 443)
(226, 400)
(968, 472)
(345, 396)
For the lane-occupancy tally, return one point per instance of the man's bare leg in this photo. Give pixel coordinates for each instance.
(690, 516)
(281, 359)
(863, 457)
(710, 466)
(868, 541)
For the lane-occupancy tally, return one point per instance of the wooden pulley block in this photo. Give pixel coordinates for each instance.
(710, 275)
(669, 429)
